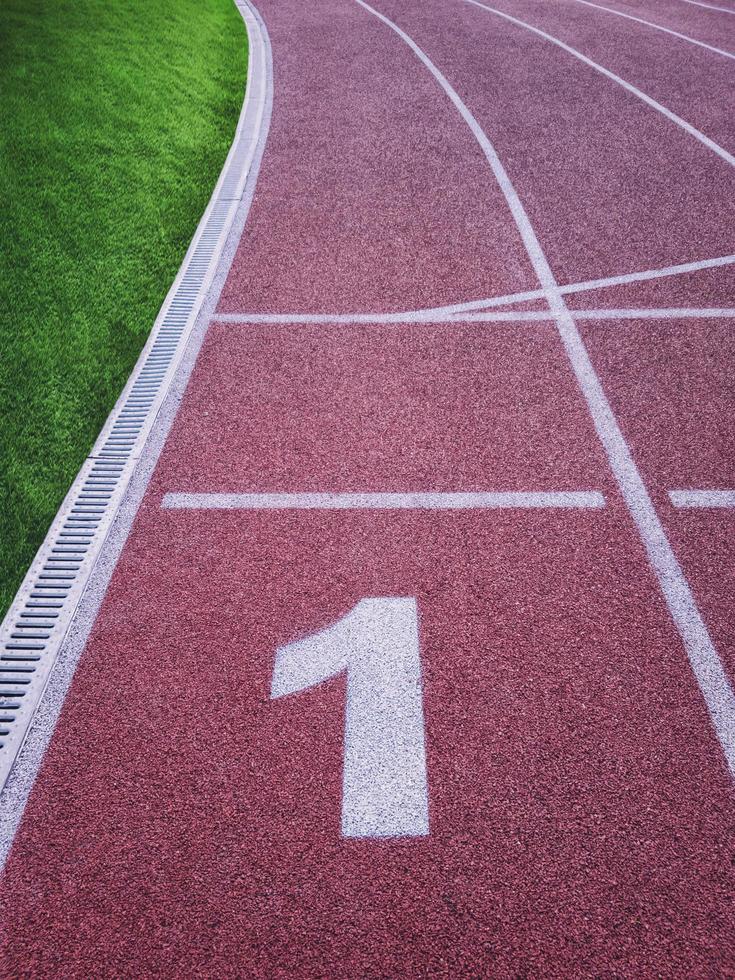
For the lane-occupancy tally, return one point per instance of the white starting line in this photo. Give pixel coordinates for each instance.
(454, 500)
(483, 316)
(482, 500)
(702, 498)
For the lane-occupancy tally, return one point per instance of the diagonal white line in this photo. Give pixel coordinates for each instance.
(658, 27)
(438, 312)
(702, 498)
(649, 274)
(590, 284)
(706, 664)
(481, 500)
(677, 120)
(708, 6)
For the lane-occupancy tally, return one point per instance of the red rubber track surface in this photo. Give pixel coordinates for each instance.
(610, 185)
(582, 813)
(358, 207)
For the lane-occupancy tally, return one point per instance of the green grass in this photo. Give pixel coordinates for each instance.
(115, 120)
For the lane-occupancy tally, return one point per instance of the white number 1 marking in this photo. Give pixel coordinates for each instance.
(384, 792)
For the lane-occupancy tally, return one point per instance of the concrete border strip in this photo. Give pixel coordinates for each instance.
(232, 195)
(706, 665)
(671, 116)
(658, 27)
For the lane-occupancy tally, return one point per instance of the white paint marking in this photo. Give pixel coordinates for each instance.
(658, 27)
(438, 314)
(511, 316)
(708, 6)
(702, 498)
(384, 783)
(409, 316)
(631, 277)
(677, 120)
(705, 663)
(484, 500)
(590, 284)
(644, 313)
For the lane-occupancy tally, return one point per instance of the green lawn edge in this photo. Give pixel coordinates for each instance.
(115, 121)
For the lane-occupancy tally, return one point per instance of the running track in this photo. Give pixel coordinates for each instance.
(396, 320)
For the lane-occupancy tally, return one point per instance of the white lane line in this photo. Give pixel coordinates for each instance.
(510, 316)
(658, 27)
(482, 500)
(677, 120)
(702, 498)
(86, 520)
(706, 664)
(708, 6)
(438, 312)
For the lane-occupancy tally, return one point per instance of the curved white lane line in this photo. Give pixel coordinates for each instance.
(658, 27)
(708, 6)
(671, 116)
(703, 658)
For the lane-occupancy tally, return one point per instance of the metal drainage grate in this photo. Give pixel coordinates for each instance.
(33, 630)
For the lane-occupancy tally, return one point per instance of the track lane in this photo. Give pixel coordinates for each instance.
(692, 82)
(711, 674)
(697, 22)
(380, 221)
(653, 25)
